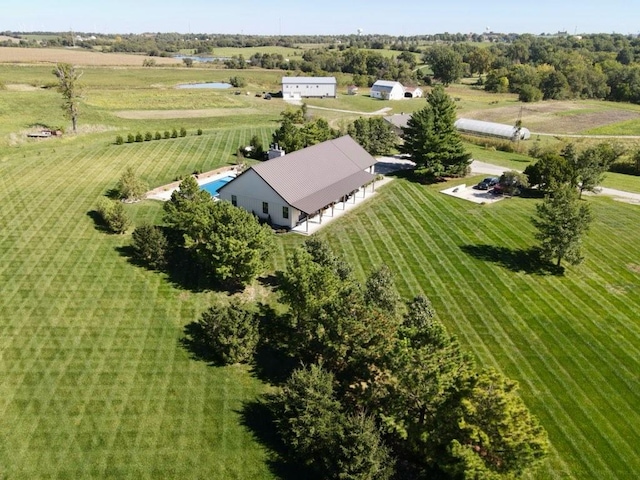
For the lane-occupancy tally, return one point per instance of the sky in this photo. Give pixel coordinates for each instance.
(324, 17)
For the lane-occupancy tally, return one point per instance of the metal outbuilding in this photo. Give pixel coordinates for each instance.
(490, 129)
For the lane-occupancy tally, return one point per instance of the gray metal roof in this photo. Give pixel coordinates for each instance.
(306, 80)
(312, 178)
(386, 83)
(398, 120)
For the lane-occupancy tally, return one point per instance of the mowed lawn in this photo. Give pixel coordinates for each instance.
(573, 341)
(94, 382)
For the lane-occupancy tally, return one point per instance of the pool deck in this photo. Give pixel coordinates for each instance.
(164, 192)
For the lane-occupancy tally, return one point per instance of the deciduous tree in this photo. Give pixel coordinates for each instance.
(374, 134)
(445, 63)
(70, 88)
(130, 187)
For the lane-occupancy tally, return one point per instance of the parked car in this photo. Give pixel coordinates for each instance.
(488, 183)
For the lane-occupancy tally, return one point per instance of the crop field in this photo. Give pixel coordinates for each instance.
(95, 381)
(76, 57)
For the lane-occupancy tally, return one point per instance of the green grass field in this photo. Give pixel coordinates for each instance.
(95, 383)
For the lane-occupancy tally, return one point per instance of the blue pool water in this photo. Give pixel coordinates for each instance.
(216, 185)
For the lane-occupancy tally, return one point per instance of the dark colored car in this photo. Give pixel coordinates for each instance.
(488, 183)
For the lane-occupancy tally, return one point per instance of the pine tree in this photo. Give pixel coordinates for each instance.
(561, 222)
(431, 138)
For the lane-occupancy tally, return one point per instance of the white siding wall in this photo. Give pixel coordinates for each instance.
(308, 90)
(250, 191)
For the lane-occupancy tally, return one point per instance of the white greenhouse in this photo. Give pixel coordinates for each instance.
(490, 129)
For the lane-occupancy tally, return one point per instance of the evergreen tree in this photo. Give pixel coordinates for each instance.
(561, 223)
(149, 245)
(432, 140)
(230, 332)
(498, 437)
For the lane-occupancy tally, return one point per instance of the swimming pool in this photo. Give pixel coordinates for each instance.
(216, 185)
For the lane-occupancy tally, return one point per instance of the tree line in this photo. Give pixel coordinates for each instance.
(377, 387)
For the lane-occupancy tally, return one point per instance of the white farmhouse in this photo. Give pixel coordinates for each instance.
(387, 90)
(294, 88)
(291, 189)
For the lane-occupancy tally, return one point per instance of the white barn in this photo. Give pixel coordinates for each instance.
(291, 189)
(387, 90)
(309, 87)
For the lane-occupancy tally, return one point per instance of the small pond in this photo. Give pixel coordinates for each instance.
(205, 85)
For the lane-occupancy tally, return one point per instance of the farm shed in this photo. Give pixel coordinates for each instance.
(490, 129)
(413, 92)
(387, 90)
(291, 189)
(308, 87)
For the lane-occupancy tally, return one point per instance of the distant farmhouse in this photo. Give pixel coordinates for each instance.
(293, 188)
(469, 126)
(294, 88)
(387, 90)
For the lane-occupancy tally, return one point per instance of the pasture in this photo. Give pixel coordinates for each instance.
(96, 383)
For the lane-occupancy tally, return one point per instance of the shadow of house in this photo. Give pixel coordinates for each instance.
(528, 261)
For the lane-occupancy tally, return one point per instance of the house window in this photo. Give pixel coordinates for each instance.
(265, 208)
(285, 212)
(234, 200)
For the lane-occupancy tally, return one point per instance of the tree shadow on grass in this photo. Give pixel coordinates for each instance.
(98, 221)
(258, 419)
(270, 363)
(528, 261)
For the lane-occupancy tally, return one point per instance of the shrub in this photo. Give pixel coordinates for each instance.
(174, 133)
(157, 136)
(130, 138)
(230, 332)
(183, 132)
(113, 215)
(148, 137)
(167, 134)
(139, 137)
(119, 140)
(149, 245)
(199, 132)
(238, 82)
(130, 187)
(529, 93)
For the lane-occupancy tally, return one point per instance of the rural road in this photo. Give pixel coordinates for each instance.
(490, 169)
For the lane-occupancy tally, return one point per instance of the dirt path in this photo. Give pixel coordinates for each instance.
(382, 111)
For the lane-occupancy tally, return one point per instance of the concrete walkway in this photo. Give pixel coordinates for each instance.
(316, 223)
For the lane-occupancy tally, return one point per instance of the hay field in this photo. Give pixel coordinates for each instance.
(560, 117)
(76, 57)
